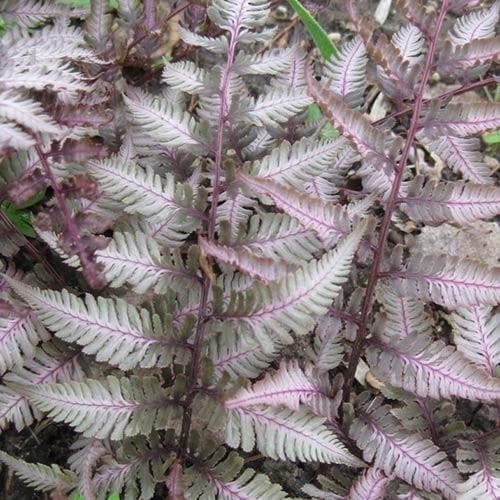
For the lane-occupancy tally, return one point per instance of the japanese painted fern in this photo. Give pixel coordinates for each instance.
(227, 272)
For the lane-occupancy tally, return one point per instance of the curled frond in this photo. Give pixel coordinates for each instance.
(415, 460)
(431, 369)
(438, 202)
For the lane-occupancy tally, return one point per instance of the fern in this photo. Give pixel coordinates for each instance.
(209, 283)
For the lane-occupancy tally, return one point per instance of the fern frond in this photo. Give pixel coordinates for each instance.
(49, 364)
(135, 469)
(235, 209)
(157, 121)
(184, 76)
(41, 477)
(236, 15)
(277, 106)
(29, 13)
(464, 120)
(269, 63)
(413, 459)
(481, 460)
(403, 316)
(219, 44)
(51, 45)
(19, 334)
(371, 485)
(367, 139)
(468, 56)
(84, 461)
(263, 269)
(27, 112)
(98, 24)
(410, 43)
(218, 475)
(116, 332)
(146, 193)
(113, 408)
(438, 202)
(296, 301)
(346, 71)
(238, 356)
(416, 13)
(301, 162)
(400, 72)
(462, 155)
(65, 81)
(475, 333)
(175, 482)
(287, 435)
(430, 369)
(327, 351)
(278, 236)
(12, 136)
(249, 485)
(449, 281)
(289, 386)
(136, 259)
(476, 25)
(330, 222)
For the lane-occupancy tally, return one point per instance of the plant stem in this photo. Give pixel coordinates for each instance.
(212, 219)
(391, 204)
(90, 274)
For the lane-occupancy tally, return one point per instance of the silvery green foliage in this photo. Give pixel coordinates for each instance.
(229, 255)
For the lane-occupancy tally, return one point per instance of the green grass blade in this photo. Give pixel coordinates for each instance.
(321, 40)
